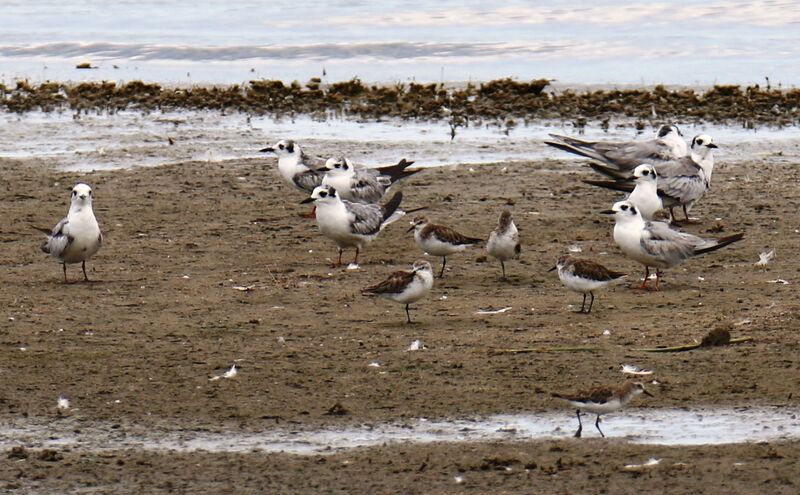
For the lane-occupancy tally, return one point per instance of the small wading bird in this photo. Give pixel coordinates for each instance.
(77, 237)
(602, 400)
(585, 277)
(438, 240)
(352, 224)
(655, 244)
(624, 156)
(405, 286)
(503, 243)
(363, 185)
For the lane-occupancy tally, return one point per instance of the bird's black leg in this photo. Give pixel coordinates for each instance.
(503, 266)
(85, 277)
(591, 302)
(444, 262)
(583, 304)
(64, 266)
(355, 261)
(580, 425)
(408, 315)
(597, 425)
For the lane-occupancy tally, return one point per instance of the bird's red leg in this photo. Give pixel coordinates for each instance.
(646, 277)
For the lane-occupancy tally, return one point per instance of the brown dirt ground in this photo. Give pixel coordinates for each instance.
(144, 334)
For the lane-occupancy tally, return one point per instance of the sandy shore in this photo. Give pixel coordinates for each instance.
(162, 315)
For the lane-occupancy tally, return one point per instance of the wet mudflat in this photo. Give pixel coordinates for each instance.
(208, 265)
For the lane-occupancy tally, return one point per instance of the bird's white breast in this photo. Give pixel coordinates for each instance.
(342, 184)
(435, 247)
(599, 408)
(645, 197)
(289, 167)
(503, 246)
(334, 222)
(580, 284)
(85, 234)
(419, 287)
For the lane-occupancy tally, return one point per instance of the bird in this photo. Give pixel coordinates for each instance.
(625, 156)
(681, 182)
(405, 286)
(602, 400)
(351, 224)
(643, 189)
(298, 169)
(655, 244)
(503, 243)
(439, 240)
(76, 238)
(585, 276)
(363, 185)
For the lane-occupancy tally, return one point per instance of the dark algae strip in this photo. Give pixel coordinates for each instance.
(505, 101)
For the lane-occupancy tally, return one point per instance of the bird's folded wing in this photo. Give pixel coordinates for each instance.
(395, 284)
(659, 241)
(367, 218)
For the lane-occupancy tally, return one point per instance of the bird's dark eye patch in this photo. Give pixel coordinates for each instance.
(633, 210)
(338, 165)
(322, 194)
(646, 172)
(344, 167)
(624, 207)
(280, 146)
(74, 193)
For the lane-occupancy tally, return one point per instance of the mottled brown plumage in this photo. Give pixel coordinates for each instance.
(394, 283)
(588, 269)
(446, 234)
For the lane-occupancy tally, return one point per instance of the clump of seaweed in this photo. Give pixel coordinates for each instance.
(502, 102)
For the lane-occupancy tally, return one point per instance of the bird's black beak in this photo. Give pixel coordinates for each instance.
(607, 212)
(411, 228)
(645, 392)
(550, 270)
(712, 145)
(322, 169)
(267, 150)
(307, 200)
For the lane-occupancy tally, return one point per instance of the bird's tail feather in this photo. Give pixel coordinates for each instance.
(569, 148)
(399, 170)
(721, 243)
(46, 232)
(614, 186)
(611, 172)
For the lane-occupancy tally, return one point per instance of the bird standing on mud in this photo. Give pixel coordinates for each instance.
(585, 277)
(655, 244)
(352, 224)
(503, 243)
(77, 237)
(439, 240)
(602, 400)
(405, 286)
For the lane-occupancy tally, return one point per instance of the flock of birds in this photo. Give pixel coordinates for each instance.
(659, 175)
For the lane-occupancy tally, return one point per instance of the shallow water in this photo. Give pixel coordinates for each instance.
(206, 41)
(129, 139)
(650, 427)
